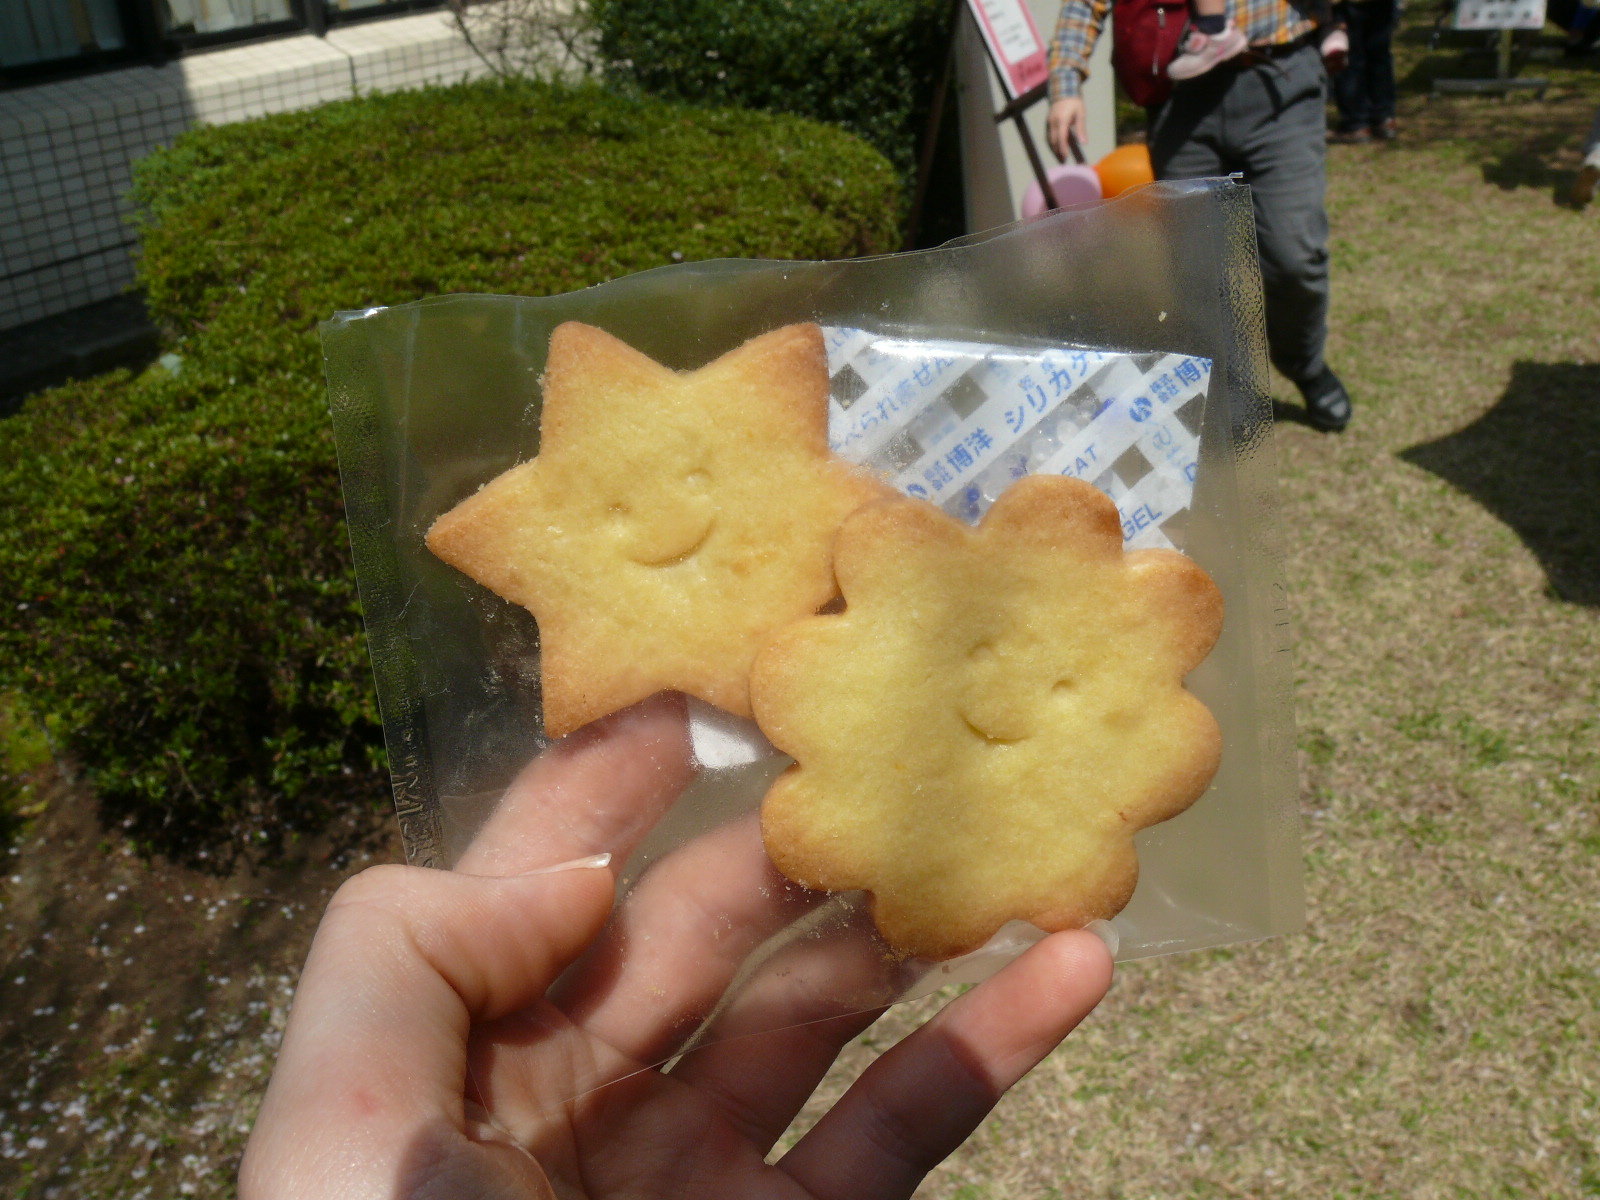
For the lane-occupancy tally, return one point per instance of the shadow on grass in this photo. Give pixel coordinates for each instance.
(1523, 139)
(1292, 414)
(79, 344)
(1427, 53)
(1538, 161)
(1533, 460)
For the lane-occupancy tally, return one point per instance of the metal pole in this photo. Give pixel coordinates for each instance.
(1014, 112)
(1039, 172)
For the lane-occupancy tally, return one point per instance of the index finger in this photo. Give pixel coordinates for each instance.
(596, 791)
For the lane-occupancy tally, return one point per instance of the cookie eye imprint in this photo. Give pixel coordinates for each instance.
(983, 654)
(672, 526)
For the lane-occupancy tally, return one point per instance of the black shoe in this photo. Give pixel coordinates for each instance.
(1327, 403)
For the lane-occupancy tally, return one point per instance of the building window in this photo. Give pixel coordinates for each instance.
(354, 10)
(223, 16)
(335, 7)
(47, 31)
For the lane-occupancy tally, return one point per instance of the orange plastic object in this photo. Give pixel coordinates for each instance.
(1125, 167)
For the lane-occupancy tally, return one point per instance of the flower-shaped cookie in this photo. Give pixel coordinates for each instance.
(996, 713)
(669, 521)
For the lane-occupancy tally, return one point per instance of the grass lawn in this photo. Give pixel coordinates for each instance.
(1435, 1031)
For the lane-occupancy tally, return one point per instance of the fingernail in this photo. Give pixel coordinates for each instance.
(577, 864)
(1107, 933)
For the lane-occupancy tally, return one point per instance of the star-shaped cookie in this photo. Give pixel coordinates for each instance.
(994, 715)
(669, 521)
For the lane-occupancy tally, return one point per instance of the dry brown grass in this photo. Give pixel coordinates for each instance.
(1435, 1031)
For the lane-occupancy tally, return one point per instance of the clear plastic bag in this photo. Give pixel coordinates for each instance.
(1132, 328)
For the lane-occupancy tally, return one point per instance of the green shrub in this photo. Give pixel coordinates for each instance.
(869, 65)
(179, 599)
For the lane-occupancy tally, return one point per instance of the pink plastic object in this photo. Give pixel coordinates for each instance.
(1072, 184)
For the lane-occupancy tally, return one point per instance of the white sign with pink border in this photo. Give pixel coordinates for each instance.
(1014, 43)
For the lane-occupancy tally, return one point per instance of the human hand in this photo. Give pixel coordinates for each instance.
(431, 1051)
(1067, 115)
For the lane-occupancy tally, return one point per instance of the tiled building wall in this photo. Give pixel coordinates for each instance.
(67, 148)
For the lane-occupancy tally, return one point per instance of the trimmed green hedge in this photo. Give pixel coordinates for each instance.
(869, 65)
(179, 599)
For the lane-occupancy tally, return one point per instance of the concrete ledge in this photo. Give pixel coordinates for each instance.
(87, 341)
(67, 148)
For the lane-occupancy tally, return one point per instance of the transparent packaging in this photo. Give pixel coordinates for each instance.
(1133, 328)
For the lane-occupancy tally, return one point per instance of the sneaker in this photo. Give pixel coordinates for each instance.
(1336, 51)
(1199, 52)
(1583, 187)
(1386, 130)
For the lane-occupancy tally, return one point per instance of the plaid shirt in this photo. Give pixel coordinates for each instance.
(1265, 23)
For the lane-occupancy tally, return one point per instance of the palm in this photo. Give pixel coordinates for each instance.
(706, 1127)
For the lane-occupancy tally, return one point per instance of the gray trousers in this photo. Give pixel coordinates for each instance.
(1268, 122)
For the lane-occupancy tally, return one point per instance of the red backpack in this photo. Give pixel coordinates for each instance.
(1144, 37)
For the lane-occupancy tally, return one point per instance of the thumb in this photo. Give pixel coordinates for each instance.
(405, 961)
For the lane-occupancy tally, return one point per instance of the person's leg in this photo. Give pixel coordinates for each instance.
(1267, 122)
(1585, 29)
(1350, 91)
(1185, 132)
(1382, 16)
(1274, 117)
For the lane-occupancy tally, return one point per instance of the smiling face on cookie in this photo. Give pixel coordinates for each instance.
(1013, 685)
(994, 715)
(661, 512)
(670, 520)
